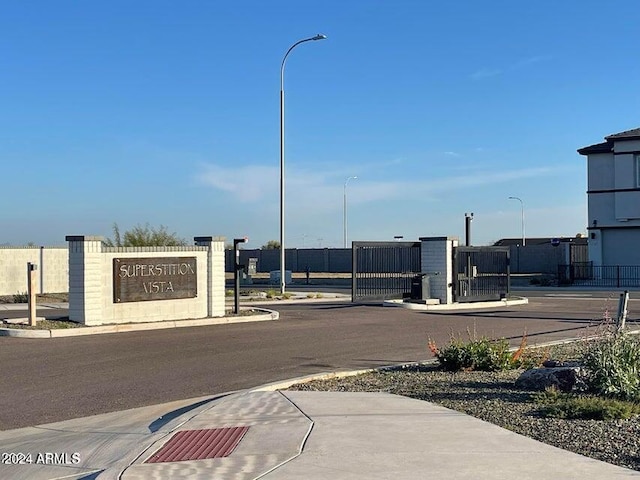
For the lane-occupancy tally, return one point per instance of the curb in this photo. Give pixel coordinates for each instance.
(285, 384)
(292, 301)
(135, 327)
(456, 306)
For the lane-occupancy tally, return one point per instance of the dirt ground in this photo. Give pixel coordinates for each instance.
(45, 297)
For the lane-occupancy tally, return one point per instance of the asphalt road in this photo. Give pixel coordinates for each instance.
(46, 380)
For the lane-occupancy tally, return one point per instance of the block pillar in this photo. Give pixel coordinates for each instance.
(85, 279)
(437, 262)
(215, 274)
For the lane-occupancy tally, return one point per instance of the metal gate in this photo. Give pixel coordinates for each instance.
(383, 270)
(480, 273)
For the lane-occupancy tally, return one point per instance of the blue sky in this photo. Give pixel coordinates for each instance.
(168, 112)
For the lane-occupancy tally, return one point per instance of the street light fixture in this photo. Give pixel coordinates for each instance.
(344, 210)
(524, 240)
(282, 248)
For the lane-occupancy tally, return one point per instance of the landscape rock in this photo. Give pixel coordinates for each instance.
(560, 363)
(565, 379)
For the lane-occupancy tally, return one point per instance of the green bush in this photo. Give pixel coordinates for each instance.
(568, 406)
(21, 298)
(144, 236)
(476, 354)
(613, 365)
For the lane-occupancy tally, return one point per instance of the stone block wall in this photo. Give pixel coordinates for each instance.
(52, 275)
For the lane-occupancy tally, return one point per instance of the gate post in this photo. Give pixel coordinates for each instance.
(436, 255)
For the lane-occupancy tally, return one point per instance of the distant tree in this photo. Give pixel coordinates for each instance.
(271, 245)
(145, 236)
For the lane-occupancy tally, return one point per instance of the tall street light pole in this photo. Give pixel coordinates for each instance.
(524, 239)
(344, 210)
(282, 248)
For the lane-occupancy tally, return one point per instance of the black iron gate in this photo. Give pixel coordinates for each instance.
(383, 270)
(480, 273)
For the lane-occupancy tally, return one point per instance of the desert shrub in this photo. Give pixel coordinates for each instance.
(144, 236)
(555, 404)
(533, 358)
(613, 364)
(482, 354)
(21, 297)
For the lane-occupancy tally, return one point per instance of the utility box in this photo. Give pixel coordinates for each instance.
(420, 287)
(274, 277)
(252, 266)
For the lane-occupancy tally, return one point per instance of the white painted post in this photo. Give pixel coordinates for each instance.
(31, 292)
(622, 311)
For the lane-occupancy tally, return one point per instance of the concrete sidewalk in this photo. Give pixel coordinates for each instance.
(295, 435)
(24, 306)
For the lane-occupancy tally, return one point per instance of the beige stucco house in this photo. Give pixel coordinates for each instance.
(613, 199)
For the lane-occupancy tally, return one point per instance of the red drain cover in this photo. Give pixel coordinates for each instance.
(199, 444)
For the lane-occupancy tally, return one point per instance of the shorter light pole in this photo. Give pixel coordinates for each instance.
(344, 210)
(236, 273)
(467, 229)
(524, 238)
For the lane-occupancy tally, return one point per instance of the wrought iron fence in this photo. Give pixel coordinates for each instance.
(589, 275)
(384, 270)
(481, 273)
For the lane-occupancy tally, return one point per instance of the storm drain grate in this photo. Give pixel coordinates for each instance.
(199, 444)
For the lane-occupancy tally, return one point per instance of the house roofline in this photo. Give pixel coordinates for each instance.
(605, 147)
(632, 134)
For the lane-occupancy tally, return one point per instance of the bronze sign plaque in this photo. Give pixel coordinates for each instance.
(156, 278)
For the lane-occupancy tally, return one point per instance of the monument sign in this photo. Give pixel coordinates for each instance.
(154, 278)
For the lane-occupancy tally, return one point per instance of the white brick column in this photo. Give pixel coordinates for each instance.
(437, 262)
(215, 274)
(85, 279)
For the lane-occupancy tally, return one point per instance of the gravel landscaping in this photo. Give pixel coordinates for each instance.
(492, 396)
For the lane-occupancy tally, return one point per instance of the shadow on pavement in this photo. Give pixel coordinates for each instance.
(163, 420)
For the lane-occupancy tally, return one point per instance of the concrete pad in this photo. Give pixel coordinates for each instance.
(378, 435)
(277, 432)
(22, 320)
(107, 442)
(299, 435)
(25, 306)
